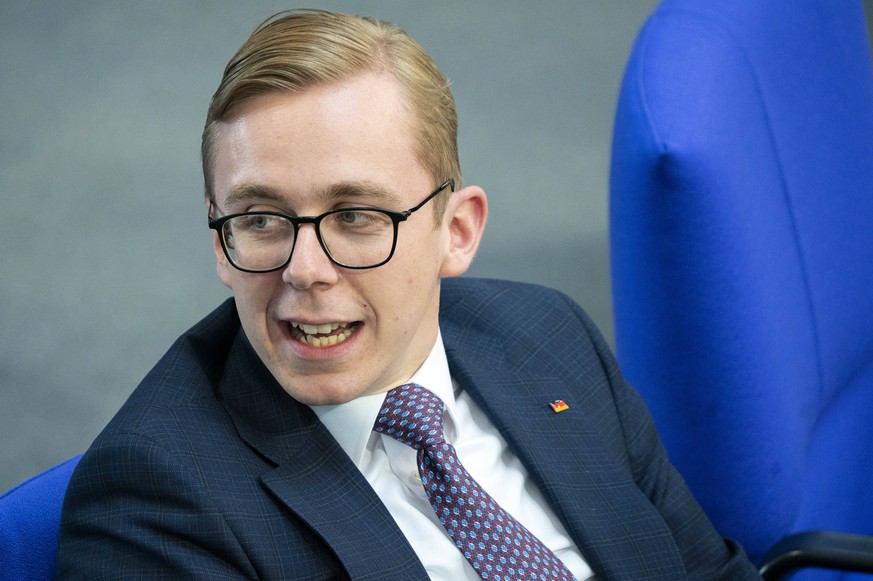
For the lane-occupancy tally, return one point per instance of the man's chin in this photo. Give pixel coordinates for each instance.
(317, 393)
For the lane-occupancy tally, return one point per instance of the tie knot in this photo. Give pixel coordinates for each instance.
(412, 415)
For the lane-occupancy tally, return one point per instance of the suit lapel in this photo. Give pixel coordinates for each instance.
(312, 476)
(590, 490)
(325, 489)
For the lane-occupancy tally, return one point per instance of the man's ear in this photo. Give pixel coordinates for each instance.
(222, 266)
(463, 223)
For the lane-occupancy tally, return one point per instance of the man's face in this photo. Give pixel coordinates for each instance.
(303, 154)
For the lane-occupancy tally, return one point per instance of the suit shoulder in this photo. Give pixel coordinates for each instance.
(505, 303)
(513, 319)
(479, 292)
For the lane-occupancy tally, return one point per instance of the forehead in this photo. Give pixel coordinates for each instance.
(348, 138)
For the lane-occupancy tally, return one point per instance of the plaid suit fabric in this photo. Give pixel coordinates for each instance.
(210, 471)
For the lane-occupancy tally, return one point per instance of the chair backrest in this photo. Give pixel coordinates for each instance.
(741, 224)
(30, 515)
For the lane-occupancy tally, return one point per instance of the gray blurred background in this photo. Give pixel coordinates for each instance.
(105, 256)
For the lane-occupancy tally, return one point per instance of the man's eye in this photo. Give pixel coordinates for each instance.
(262, 226)
(258, 222)
(353, 217)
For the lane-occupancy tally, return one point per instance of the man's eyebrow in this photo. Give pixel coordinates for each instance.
(365, 192)
(368, 191)
(251, 192)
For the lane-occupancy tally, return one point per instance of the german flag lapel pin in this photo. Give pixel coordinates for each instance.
(559, 406)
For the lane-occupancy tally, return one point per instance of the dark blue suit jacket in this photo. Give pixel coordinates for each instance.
(212, 471)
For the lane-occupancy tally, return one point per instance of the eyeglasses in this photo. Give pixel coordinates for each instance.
(356, 238)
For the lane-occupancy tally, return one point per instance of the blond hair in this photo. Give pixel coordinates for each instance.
(295, 50)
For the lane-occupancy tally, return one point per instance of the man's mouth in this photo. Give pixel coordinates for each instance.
(323, 335)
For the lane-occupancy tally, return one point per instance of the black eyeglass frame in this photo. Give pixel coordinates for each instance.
(217, 224)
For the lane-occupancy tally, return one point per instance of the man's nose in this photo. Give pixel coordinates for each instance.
(309, 264)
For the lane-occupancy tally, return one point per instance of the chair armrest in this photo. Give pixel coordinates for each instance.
(819, 549)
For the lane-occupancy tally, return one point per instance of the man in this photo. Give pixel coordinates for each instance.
(260, 445)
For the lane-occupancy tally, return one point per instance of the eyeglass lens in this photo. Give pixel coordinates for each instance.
(356, 238)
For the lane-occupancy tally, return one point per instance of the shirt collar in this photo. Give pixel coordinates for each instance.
(351, 423)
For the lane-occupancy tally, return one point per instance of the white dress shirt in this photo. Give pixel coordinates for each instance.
(391, 469)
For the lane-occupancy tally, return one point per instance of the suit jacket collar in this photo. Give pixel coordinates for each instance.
(266, 417)
(559, 451)
(548, 445)
(311, 474)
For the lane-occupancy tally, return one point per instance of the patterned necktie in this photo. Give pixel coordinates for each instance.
(496, 545)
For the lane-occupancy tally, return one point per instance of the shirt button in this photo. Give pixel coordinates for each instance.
(415, 478)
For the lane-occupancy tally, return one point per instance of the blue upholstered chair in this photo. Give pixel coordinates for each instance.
(741, 224)
(30, 515)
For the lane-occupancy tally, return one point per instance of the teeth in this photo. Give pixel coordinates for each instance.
(307, 334)
(317, 329)
(328, 340)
